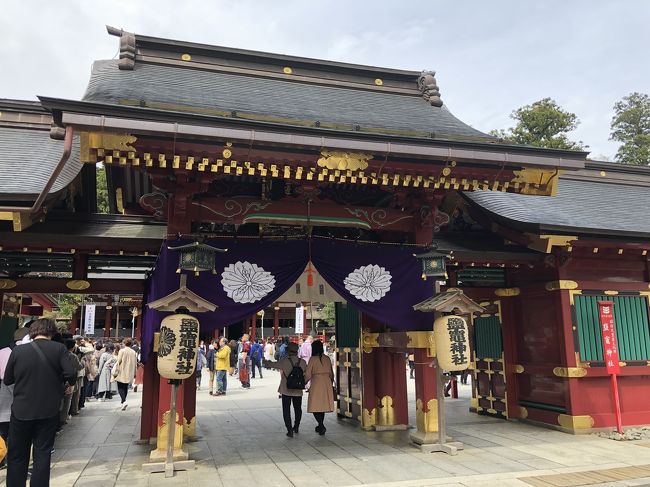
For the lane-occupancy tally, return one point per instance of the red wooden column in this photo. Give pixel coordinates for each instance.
(189, 406)
(164, 403)
(74, 322)
(368, 394)
(108, 318)
(215, 333)
(253, 332)
(304, 320)
(426, 405)
(276, 322)
(150, 392)
(390, 390)
(138, 327)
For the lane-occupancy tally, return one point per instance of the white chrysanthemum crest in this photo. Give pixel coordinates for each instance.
(368, 283)
(246, 283)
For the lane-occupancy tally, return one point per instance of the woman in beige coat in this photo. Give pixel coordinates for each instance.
(124, 370)
(321, 393)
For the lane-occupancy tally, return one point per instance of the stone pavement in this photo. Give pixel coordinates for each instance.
(243, 442)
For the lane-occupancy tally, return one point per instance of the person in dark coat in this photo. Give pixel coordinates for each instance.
(39, 372)
(289, 396)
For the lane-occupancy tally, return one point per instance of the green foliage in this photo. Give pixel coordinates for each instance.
(68, 304)
(102, 190)
(631, 126)
(328, 313)
(542, 124)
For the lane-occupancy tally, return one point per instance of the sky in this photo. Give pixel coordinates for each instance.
(491, 57)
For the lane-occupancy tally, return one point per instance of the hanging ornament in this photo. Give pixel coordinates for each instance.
(196, 257)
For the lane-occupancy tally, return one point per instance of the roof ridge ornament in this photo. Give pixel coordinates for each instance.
(429, 88)
(127, 47)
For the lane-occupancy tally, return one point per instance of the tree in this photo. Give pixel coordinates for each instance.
(102, 190)
(542, 124)
(631, 126)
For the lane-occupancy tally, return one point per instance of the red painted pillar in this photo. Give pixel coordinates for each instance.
(307, 325)
(108, 317)
(74, 322)
(138, 327)
(189, 406)
(426, 405)
(253, 327)
(164, 403)
(215, 333)
(276, 322)
(390, 389)
(150, 392)
(368, 393)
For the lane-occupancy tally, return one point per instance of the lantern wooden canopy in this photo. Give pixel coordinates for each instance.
(449, 302)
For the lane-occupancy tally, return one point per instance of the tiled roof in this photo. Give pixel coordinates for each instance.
(28, 157)
(211, 92)
(593, 207)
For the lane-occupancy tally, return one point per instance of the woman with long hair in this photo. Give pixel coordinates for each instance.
(321, 393)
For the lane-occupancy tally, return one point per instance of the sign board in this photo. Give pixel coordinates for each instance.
(608, 329)
(89, 320)
(300, 320)
(452, 343)
(178, 346)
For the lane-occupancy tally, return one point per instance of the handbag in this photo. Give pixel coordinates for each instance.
(243, 374)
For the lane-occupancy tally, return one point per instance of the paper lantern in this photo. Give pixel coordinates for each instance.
(177, 346)
(452, 343)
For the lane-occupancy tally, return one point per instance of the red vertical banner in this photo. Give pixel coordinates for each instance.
(608, 329)
(610, 353)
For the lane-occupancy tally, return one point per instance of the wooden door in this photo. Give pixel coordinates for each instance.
(489, 370)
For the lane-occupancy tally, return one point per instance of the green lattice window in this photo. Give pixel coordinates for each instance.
(487, 337)
(632, 330)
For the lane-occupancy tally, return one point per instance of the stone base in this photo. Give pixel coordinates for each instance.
(422, 438)
(392, 427)
(161, 455)
(169, 469)
(448, 448)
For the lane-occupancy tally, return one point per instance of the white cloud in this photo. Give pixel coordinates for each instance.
(491, 57)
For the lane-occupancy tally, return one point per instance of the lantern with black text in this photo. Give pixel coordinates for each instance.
(452, 343)
(177, 346)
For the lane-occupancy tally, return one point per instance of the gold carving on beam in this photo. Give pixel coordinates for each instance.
(559, 285)
(611, 293)
(541, 182)
(569, 372)
(507, 292)
(422, 339)
(386, 413)
(7, 284)
(518, 369)
(77, 284)
(427, 421)
(575, 422)
(369, 341)
(545, 243)
(353, 161)
(92, 142)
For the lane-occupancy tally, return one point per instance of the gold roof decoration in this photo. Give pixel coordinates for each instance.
(344, 161)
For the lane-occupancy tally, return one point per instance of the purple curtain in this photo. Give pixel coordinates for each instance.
(380, 280)
(251, 275)
(383, 281)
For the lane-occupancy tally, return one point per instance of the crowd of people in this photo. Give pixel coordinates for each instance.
(47, 378)
(304, 367)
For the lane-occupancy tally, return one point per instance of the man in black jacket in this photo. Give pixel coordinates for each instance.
(38, 371)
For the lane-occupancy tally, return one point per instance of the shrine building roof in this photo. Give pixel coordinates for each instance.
(28, 154)
(196, 78)
(603, 199)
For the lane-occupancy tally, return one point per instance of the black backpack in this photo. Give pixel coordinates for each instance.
(296, 379)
